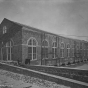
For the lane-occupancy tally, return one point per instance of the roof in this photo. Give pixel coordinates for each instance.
(39, 30)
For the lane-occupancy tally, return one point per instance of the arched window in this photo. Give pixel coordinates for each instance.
(45, 49)
(45, 43)
(32, 49)
(54, 50)
(68, 50)
(62, 50)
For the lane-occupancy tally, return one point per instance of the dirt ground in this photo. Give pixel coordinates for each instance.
(14, 80)
(7, 82)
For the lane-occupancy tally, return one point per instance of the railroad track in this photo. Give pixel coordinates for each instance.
(35, 72)
(76, 74)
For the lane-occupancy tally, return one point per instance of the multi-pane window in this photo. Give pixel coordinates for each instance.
(77, 50)
(32, 49)
(87, 51)
(54, 50)
(9, 50)
(45, 49)
(68, 50)
(4, 29)
(62, 50)
(80, 49)
(84, 51)
(73, 50)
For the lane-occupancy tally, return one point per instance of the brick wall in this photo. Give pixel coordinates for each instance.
(26, 35)
(17, 53)
(17, 47)
(14, 34)
(6, 23)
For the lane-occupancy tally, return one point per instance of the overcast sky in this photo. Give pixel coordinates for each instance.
(69, 17)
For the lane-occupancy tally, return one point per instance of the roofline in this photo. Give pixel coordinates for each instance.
(23, 25)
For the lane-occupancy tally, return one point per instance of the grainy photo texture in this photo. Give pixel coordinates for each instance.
(43, 43)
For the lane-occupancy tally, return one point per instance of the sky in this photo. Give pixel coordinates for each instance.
(64, 17)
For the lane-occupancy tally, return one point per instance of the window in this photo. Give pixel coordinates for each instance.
(9, 49)
(84, 51)
(45, 49)
(54, 50)
(62, 50)
(80, 49)
(87, 51)
(4, 29)
(68, 50)
(32, 49)
(72, 50)
(77, 50)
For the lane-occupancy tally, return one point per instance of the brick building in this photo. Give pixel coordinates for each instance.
(19, 42)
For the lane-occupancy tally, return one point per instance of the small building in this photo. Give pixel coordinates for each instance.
(21, 42)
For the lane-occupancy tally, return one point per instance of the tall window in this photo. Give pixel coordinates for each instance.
(77, 50)
(87, 51)
(32, 49)
(80, 49)
(68, 50)
(83, 50)
(4, 29)
(62, 50)
(54, 50)
(73, 50)
(9, 46)
(45, 49)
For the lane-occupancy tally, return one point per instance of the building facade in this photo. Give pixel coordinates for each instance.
(21, 42)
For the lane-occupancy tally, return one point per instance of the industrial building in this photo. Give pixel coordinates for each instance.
(21, 42)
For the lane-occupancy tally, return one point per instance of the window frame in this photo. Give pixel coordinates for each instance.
(32, 46)
(68, 50)
(4, 29)
(54, 48)
(45, 48)
(62, 50)
(77, 50)
(9, 46)
(73, 50)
